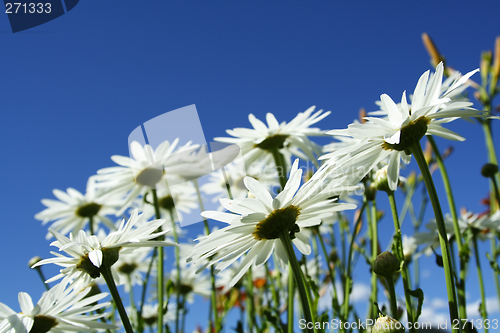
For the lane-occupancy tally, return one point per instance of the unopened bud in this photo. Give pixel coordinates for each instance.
(484, 65)
(386, 264)
(431, 48)
(380, 182)
(428, 152)
(496, 61)
(386, 324)
(370, 192)
(362, 115)
(489, 170)
(33, 261)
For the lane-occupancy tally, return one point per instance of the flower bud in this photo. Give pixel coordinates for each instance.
(489, 170)
(484, 65)
(431, 48)
(496, 61)
(386, 324)
(380, 181)
(33, 261)
(386, 264)
(370, 192)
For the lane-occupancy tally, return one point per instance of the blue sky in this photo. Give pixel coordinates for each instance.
(73, 89)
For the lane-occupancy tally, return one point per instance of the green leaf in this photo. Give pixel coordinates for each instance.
(418, 293)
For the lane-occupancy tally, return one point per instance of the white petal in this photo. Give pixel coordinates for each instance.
(96, 258)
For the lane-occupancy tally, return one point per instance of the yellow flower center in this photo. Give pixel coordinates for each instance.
(43, 324)
(276, 222)
(410, 134)
(275, 141)
(88, 210)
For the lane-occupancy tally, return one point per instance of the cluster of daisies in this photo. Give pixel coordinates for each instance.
(130, 211)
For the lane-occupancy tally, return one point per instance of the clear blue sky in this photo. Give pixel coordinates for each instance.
(73, 89)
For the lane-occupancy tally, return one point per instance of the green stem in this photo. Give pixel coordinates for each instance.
(40, 273)
(131, 296)
(108, 277)
(392, 296)
(492, 156)
(213, 296)
(178, 271)
(91, 225)
(372, 220)
(250, 302)
(347, 273)
(461, 294)
(291, 294)
(279, 160)
(273, 287)
(160, 281)
(495, 188)
(417, 152)
(449, 193)
(144, 289)
(331, 272)
(482, 309)
(304, 296)
(405, 274)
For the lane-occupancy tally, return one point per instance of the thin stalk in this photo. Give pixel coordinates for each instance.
(213, 303)
(273, 287)
(160, 280)
(492, 158)
(449, 193)
(405, 274)
(392, 296)
(108, 277)
(495, 188)
(40, 273)
(178, 271)
(144, 289)
(304, 296)
(482, 309)
(372, 220)
(280, 166)
(417, 152)
(250, 303)
(456, 229)
(347, 278)
(91, 225)
(131, 295)
(291, 294)
(331, 272)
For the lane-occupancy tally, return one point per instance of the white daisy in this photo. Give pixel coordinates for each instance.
(132, 267)
(190, 282)
(74, 210)
(88, 254)
(290, 138)
(179, 199)
(256, 223)
(235, 173)
(390, 137)
(58, 310)
(136, 174)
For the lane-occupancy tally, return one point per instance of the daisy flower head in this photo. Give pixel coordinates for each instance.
(140, 172)
(256, 223)
(391, 138)
(290, 138)
(73, 211)
(233, 175)
(88, 254)
(189, 283)
(174, 200)
(60, 309)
